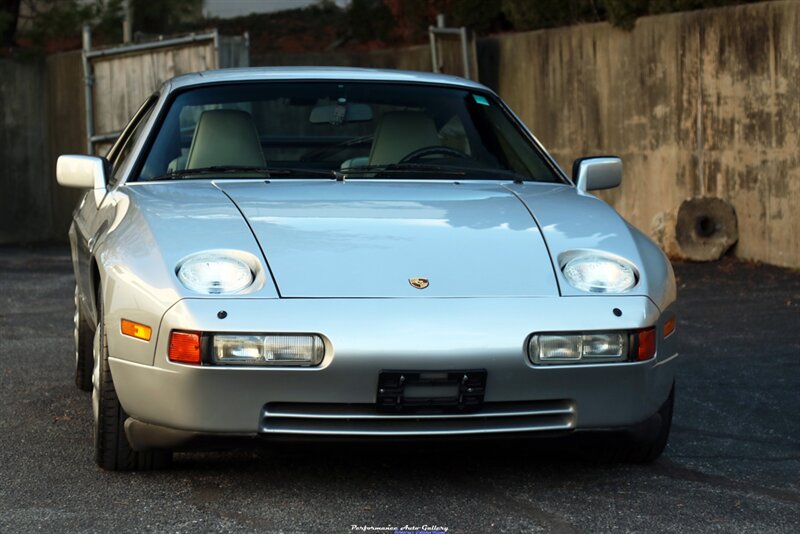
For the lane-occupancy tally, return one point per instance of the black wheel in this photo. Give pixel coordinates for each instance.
(112, 450)
(647, 446)
(84, 336)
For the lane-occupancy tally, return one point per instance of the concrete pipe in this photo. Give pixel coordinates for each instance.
(705, 228)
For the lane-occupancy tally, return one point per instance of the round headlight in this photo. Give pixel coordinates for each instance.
(215, 274)
(599, 274)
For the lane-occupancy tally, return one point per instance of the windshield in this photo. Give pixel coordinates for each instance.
(355, 129)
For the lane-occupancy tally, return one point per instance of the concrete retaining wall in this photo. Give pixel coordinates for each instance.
(699, 103)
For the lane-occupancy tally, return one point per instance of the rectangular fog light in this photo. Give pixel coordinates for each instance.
(268, 350)
(605, 346)
(555, 348)
(546, 349)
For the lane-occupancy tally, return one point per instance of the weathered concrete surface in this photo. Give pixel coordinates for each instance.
(25, 187)
(704, 103)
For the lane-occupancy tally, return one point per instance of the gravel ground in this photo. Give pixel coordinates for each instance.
(732, 464)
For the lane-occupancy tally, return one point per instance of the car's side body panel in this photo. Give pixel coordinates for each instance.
(91, 221)
(81, 259)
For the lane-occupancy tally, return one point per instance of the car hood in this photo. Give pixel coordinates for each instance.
(368, 239)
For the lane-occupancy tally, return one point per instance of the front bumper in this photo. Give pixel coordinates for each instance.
(365, 336)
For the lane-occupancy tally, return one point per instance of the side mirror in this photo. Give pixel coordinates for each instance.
(83, 172)
(592, 174)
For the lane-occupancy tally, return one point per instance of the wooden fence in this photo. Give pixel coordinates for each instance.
(44, 114)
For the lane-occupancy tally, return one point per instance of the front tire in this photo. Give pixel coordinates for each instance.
(642, 444)
(83, 336)
(112, 450)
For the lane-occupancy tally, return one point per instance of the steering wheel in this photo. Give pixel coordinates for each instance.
(431, 150)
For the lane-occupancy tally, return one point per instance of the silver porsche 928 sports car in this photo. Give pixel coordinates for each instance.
(344, 252)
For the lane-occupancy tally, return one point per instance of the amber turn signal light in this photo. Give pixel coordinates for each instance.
(669, 326)
(184, 347)
(139, 331)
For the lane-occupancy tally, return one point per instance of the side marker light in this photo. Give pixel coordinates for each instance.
(669, 327)
(137, 330)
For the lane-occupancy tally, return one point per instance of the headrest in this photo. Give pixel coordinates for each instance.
(225, 137)
(399, 133)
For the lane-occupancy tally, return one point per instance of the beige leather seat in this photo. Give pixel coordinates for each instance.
(399, 133)
(225, 137)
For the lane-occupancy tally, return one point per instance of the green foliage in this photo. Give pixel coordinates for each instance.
(669, 6)
(623, 13)
(537, 14)
(59, 19)
(478, 15)
(9, 13)
(412, 17)
(369, 20)
(311, 28)
(165, 17)
(6, 19)
(57, 23)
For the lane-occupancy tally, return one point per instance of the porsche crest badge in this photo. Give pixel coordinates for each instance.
(419, 283)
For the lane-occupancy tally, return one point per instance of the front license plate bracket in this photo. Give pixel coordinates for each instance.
(431, 391)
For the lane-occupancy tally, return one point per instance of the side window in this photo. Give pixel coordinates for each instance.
(119, 155)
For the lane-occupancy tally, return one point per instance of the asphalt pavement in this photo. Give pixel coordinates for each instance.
(732, 463)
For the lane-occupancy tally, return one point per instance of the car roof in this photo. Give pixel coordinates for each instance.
(318, 73)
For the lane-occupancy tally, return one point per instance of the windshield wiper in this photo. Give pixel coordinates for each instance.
(398, 168)
(339, 174)
(216, 169)
(517, 177)
(238, 169)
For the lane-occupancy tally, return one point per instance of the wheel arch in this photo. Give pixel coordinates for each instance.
(95, 281)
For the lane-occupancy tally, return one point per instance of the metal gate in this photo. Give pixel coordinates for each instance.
(453, 50)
